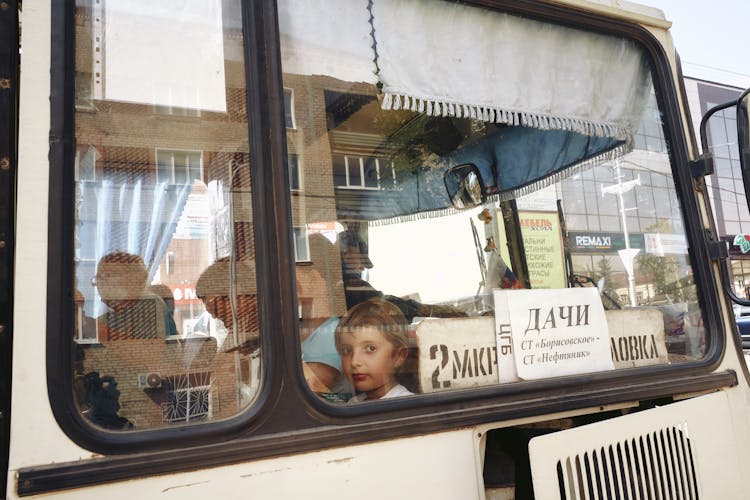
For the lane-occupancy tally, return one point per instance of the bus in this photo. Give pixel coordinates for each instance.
(360, 249)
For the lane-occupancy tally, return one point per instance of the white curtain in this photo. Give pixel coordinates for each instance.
(135, 217)
(445, 58)
(327, 37)
(452, 59)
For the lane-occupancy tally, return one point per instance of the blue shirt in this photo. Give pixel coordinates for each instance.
(320, 346)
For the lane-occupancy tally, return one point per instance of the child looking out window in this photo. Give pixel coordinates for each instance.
(372, 341)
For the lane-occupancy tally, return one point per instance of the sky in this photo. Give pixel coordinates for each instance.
(712, 37)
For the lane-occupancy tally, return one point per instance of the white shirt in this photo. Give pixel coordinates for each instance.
(396, 391)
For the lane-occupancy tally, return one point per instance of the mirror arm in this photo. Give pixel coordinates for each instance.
(718, 252)
(702, 166)
(726, 279)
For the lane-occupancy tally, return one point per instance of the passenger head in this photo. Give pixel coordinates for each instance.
(120, 277)
(215, 289)
(372, 341)
(354, 252)
(163, 291)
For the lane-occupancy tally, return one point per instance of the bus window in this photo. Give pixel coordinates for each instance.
(571, 255)
(166, 313)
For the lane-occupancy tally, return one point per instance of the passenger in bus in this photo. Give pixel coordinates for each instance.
(134, 312)
(239, 314)
(321, 363)
(228, 290)
(166, 295)
(163, 291)
(372, 339)
(355, 259)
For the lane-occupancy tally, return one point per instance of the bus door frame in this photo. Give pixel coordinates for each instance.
(9, 78)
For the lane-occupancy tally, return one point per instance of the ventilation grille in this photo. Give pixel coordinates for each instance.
(654, 466)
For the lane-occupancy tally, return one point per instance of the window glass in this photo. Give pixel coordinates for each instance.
(422, 285)
(166, 319)
(354, 170)
(301, 249)
(289, 108)
(338, 168)
(294, 178)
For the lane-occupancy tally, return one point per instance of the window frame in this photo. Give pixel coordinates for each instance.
(300, 234)
(78, 329)
(295, 165)
(79, 156)
(173, 168)
(169, 110)
(348, 166)
(320, 425)
(291, 123)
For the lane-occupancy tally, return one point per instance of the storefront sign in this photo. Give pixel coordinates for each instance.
(456, 353)
(193, 223)
(743, 242)
(602, 242)
(328, 229)
(544, 199)
(184, 294)
(735, 246)
(556, 332)
(661, 244)
(544, 250)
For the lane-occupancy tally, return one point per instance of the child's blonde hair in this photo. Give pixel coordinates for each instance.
(377, 313)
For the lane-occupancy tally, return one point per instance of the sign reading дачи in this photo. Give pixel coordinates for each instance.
(554, 333)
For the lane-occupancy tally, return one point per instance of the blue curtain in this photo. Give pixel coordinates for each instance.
(512, 161)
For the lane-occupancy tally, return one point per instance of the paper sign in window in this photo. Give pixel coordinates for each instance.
(167, 53)
(556, 332)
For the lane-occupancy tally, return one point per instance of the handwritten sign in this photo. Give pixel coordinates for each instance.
(456, 353)
(636, 337)
(556, 333)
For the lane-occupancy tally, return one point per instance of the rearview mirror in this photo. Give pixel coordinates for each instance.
(743, 145)
(743, 140)
(464, 185)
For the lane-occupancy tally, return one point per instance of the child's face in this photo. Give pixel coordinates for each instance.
(370, 361)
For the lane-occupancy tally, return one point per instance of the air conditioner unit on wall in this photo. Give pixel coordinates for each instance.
(149, 380)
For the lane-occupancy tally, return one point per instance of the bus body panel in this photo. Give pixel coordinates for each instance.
(440, 466)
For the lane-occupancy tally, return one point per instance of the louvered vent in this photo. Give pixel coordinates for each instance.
(658, 465)
(689, 449)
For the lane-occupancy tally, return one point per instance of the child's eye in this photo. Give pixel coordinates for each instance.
(370, 348)
(346, 350)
